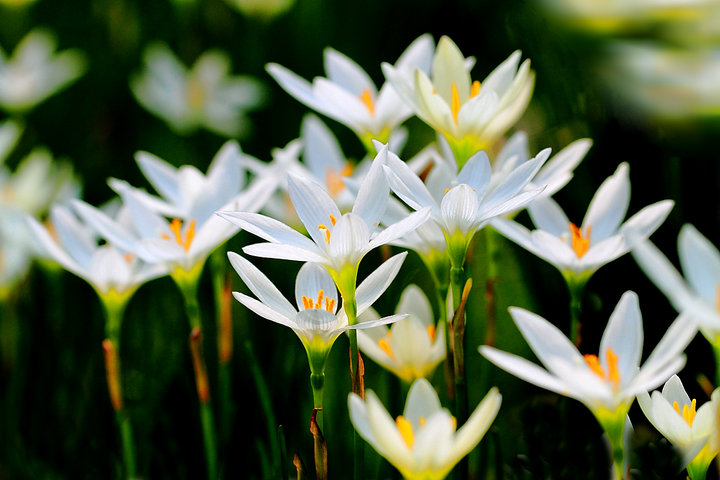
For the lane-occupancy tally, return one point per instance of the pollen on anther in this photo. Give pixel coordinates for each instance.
(366, 98)
(327, 231)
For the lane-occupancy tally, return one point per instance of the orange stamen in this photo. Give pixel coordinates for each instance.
(475, 89)
(333, 220)
(406, 430)
(322, 302)
(176, 229)
(431, 332)
(612, 375)
(580, 244)
(688, 411)
(327, 232)
(455, 103)
(366, 98)
(334, 179)
(384, 344)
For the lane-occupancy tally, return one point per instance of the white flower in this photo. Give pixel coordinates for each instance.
(34, 71)
(338, 241)
(112, 272)
(422, 443)
(471, 115)
(609, 382)
(579, 251)
(699, 293)
(463, 203)
(349, 96)
(317, 320)
(190, 199)
(412, 347)
(37, 182)
(693, 431)
(205, 96)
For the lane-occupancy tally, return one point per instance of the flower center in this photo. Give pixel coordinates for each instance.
(322, 302)
(613, 375)
(326, 229)
(580, 244)
(688, 411)
(195, 94)
(455, 102)
(334, 179)
(366, 98)
(176, 229)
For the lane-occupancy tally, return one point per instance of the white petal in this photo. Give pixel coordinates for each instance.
(470, 434)
(378, 281)
(624, 336)
(524, 369)
(449, 68)
(374, 192)
(547, 215)
(311, 279)
(609, 204)
(263, 310)
(261, 286)
(347, 74)
(313, 205)
(285, 252)
(269, 229)
(700, 262)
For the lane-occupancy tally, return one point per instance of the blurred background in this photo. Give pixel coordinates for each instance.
(643, 83)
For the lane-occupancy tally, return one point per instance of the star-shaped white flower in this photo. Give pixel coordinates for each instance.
(412, 347)
(606, 383)
(424, 442)
(206, 95)
(470, 114)
(35, 71)
(463, 203)
(349, 96)
(115, 274)
(692, 430)
(190, 199)
(601, 238)
(318, 319)
(337, 241)
(698, 294)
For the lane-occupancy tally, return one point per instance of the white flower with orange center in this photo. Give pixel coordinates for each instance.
(115, 274)
(693, 431)
(203, 96)
(318, 319)
(410, 348)
(471, 115)
(606, 383)
(601, 238)
(349, 96)
(463, 203)
(424, 443)
(698, 293)
(35, 71)
(337, 241)
(180, 227)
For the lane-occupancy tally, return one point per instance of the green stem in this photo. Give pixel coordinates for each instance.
(317, 380)
(350, 306)
(223, 302)
(189, 287)
(576, 287)
(457, 282)
(114, 311)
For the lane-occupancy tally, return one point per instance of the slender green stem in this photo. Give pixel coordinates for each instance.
(223, 308)
(317, 380)
(350, 306)
(576, 287)
(188, 286)
(114, 311)
(457, 328)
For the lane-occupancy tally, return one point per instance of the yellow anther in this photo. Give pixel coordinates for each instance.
(384, 344)
(176, 229)
(688, 411)
(431, 332)
(327, 232)
(322, 302)
(613, 374)
(406, 430)
(128, 257)
(421, 421)
(580, 244)
(454, 422)
(195, 94)
(366, 98)
(475, 89)
(455, 103)
(333, 220)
